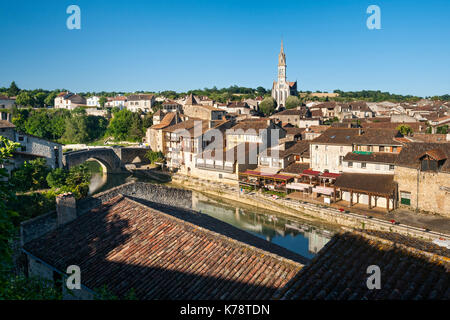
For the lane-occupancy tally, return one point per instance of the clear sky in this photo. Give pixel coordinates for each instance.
(182, 45)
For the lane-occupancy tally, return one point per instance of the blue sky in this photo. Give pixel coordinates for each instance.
(182, 45)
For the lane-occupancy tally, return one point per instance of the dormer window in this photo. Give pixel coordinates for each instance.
(432, 160)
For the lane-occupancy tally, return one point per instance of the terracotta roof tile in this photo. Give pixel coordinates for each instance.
(126, 245)
(339, 271)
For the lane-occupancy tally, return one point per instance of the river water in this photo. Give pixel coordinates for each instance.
(291, 233)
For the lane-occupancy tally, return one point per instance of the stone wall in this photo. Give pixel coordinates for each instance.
(431, 188)
(36, 227)
(174, 197)
(38, 269)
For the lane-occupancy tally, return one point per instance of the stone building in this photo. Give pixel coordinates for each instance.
(31, 147)
(225, 165)
(192, 108)
(154, 135)
(299, 117)
(329, 149)
(262, 131)
(282, 88)
(140, 102)
(69, 100)
(422, 172)
(6, 102)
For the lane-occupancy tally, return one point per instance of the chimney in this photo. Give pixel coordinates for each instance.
(66, 208)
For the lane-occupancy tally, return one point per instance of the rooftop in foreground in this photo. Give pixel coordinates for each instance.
(127, 245)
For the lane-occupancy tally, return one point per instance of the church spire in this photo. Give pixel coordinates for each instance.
(282, 56)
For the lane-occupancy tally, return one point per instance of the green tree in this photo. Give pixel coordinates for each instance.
(292, 102)
(154, 156)
(13, 89)
(102, 101)
(121, 123)
(25, 99)
(57, 178)
(7, 147)
(267, 106)
(31, 175)
(50, 99)
(405, 129)
(39, 99)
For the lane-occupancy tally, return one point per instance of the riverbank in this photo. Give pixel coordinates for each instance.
(304, 210)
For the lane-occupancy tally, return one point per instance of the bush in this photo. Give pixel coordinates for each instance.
(31, 175)
(57, 178)
(154, 156)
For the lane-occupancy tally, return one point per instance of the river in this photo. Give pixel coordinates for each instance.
(293, 234)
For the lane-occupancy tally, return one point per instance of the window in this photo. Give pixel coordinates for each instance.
(20, 138)
(405, 197)
(377, 166)
(381, 148)
(394, 149)
(350, 164)
(363, 165)
(391, 167)
(341, 158)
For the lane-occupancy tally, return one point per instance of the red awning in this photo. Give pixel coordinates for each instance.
(267, 175)
(329, 175)
(308, 172)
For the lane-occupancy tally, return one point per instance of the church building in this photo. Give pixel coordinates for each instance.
(282, 88)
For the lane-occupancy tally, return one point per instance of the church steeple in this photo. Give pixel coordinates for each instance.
(282, 56)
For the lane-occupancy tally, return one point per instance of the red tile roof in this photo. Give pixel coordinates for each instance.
(410, 270)
(126, 245)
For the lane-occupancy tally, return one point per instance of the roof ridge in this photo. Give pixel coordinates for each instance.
(216, 234)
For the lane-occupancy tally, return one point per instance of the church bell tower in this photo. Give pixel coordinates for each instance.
(282, 65)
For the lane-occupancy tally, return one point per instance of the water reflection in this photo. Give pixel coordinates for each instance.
(296, 236)
(291, 234)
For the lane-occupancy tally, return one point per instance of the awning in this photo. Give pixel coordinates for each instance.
(323, 190)
(329, 175)
(310, 173)
(297, 186)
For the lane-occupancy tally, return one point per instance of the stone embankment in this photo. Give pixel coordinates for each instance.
(303, 209)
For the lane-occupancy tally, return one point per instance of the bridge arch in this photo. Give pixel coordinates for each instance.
(107, 158)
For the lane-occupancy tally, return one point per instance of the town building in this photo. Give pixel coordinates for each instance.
(93, 101)
(185, 140)
(116, 102)
(299, 117)
(192, 108)
(7, 102)
(329, 149)
(140, 102)
(31, 147)
(282, 88)
(224, 165)
(154, 135)
(263, 131)
(422, 172)
(69, 100)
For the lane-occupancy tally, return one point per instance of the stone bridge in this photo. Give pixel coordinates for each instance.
(113, 160)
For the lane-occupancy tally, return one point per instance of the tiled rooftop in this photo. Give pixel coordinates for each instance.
(339, 272)
(126, 245)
